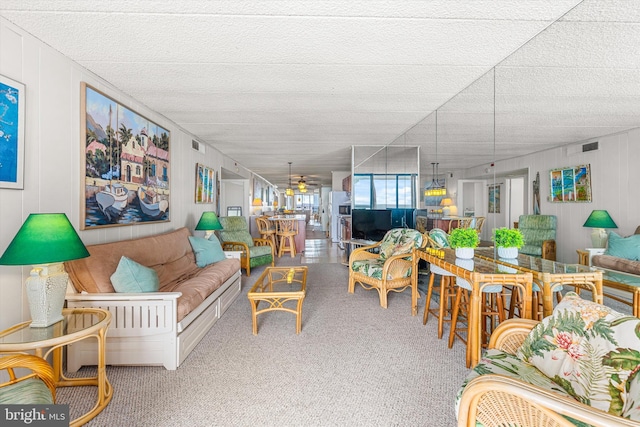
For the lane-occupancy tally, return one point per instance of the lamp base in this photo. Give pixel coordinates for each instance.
(208, 234)
(46, 289)
(599, 238)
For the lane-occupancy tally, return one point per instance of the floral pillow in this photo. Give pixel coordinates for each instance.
(400, 241)
(590, 350)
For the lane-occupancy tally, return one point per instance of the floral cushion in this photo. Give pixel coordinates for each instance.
(400, 241)
(440, 237)
(499, 362)
(590, 350)
(373, 267)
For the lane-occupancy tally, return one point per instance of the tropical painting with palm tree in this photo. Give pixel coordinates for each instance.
(126, 164)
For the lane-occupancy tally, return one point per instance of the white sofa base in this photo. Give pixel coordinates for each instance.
(144, 328)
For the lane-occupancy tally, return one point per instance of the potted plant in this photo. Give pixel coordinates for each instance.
(464, 240)
(508, 241)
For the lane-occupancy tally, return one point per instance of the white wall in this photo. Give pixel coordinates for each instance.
(614, 179)
(52, 181)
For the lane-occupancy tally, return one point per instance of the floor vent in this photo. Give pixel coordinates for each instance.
(591, 146)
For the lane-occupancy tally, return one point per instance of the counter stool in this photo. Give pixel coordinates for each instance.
(267, 230)
(447, 296)
(286, 231)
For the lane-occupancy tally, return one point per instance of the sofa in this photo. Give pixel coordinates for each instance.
(578, 367)
(622, 253)
(157, 327)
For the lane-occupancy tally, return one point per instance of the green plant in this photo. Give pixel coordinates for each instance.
(464, 238)
(508, 238)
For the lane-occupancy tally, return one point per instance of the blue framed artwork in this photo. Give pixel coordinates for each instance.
(12, 95)
(571, 184)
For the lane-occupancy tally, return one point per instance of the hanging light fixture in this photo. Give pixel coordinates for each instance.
(289, 190)
(302, 184)
(435, 189)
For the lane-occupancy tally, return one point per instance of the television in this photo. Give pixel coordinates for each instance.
(373, 224)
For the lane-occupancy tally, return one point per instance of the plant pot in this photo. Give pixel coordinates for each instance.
(464, 253)
(507, 252)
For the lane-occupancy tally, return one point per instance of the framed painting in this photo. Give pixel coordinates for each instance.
(494, 198)
(126, 164)
(205, 184)
(12, 99)
(571, 184)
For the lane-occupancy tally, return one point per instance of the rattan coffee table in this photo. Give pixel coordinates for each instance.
(282, 289)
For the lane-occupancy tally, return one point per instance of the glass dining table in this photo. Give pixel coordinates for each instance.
(480, 274)
(550, 276)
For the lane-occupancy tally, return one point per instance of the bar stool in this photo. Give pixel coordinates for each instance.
(266, 230)
(447, 297)
(286, 231)
(492, 309)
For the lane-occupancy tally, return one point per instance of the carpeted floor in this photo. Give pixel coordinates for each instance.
(354, 363)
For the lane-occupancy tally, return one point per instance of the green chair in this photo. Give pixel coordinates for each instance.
(36, 385)
(235, 236)
(539, 232)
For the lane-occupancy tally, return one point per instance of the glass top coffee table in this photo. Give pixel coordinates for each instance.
(279, 289)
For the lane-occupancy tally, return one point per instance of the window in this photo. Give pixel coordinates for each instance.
(381, 191)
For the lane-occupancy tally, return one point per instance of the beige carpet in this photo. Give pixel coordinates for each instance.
(354, 363)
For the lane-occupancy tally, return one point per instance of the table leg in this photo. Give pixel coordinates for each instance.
(547, 298)
(474, 343)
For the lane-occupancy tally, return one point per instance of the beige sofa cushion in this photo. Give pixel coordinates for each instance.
(169, 254)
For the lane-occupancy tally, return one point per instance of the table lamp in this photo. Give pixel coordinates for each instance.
(599, 220)
(45, 240)
(446, 204)
(209, 222)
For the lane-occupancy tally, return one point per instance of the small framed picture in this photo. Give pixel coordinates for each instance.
(12, 99)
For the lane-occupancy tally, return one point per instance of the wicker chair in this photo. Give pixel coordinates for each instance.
(235, 236)
(35, 387)
(267, 230)
(539, 232)
(498, 396)
(390, 269)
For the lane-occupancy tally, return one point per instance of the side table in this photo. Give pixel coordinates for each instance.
(78, 324)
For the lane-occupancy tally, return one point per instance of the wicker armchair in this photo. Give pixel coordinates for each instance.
(235, 236)
(539, 232)
(498, 395)
(390, 269)
(35, 387)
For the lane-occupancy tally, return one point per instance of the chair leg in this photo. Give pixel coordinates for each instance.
(425, 316)
(448, 294)
(460, 301)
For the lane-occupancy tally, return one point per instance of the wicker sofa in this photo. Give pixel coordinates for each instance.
(622, 254)
(152, 328)
(579, 366)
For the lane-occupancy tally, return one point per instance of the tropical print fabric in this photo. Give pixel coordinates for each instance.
(440, 237)
(592, 352)
(400, 241)
(373, 268)
(499, 362)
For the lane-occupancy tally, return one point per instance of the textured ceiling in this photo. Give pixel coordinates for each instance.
(303, 81)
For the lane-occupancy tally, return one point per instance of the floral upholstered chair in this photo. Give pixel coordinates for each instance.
(389, 269)
(235, 236)
(578, 367)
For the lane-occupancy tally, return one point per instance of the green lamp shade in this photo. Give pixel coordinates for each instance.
(44, 238)
(600, 219)
(209, 221)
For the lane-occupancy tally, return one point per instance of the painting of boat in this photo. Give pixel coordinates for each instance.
(151, 203)
(112, 200)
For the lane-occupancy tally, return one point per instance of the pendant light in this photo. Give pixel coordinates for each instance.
(435, 189)
(289, 190)
(302, 184)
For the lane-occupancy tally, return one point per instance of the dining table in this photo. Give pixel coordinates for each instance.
(550, 276)
(480, 274)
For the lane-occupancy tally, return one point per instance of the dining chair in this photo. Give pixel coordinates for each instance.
(267, 230)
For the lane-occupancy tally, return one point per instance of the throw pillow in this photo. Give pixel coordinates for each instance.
(133, 277)
(624, 247)
(206, 251)
(588, 349)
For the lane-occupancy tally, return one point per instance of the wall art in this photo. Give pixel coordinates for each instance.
(205, 184)
(126, 163)
(494, 198)
(12, 99)
(571, 184)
